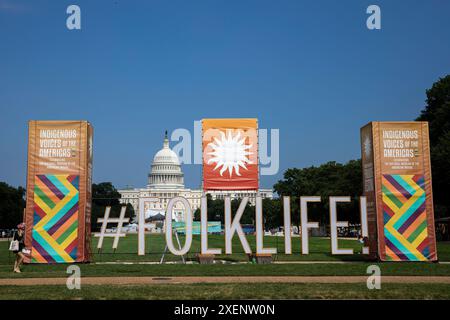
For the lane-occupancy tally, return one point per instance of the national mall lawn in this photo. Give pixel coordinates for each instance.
(126, 263)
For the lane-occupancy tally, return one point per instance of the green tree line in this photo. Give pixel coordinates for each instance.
(12, 203)
(437, 113)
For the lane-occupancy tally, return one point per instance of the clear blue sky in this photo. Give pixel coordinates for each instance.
(310, 68)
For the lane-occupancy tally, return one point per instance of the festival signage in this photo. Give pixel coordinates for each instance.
(397, 184)
(230, 154)
(58, 201)
(232, 226)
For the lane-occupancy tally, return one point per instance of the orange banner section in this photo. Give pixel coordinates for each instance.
(230, 154)
(397, 184)
(59, 182)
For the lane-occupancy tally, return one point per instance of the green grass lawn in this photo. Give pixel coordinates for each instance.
(319, 248)
(155, 244)
(231, 291)
(127, 250)
(359, 269)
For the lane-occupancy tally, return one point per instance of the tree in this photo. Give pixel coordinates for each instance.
(437, 113)
(12, 203)
(105, 194)
(248, 217)
(214, 210)
(272, 213)
(329, 179)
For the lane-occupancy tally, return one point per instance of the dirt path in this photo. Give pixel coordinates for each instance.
(226, 279)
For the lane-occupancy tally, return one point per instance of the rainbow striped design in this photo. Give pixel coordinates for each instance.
(405, 218)
(55, 219)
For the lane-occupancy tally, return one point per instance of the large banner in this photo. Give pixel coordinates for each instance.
(397, 184)
(230, 154)
(59, 180)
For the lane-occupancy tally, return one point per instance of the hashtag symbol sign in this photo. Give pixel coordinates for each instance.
(116, 235)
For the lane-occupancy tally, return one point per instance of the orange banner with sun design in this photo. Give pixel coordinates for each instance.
(230, 154)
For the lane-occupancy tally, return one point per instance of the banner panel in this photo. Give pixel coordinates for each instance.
(402, 191)
(58, 191)
(368, 169)
(230, 154)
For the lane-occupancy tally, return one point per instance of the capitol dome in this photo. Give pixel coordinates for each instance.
(165, 172)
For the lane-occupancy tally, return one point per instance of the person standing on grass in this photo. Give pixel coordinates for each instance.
(20, 256)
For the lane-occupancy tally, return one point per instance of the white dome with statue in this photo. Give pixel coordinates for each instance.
(165, 172)
(166, 181)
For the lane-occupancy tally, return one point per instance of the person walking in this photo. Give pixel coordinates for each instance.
(20, 256)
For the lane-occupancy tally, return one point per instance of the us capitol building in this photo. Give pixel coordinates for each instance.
(166, 181)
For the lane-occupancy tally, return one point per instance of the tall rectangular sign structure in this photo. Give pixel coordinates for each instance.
(397, 184)
(230, 154)
(59, 191)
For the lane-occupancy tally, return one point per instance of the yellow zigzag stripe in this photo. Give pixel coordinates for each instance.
(69, 239)
(50, 213)
(56, 246)
(420, 238)
(389, 203)
(398, 214)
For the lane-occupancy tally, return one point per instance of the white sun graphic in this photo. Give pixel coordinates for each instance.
(230, 152)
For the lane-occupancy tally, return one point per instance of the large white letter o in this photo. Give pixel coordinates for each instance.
(188, 221)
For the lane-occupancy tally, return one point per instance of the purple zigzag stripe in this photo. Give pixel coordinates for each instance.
(61, 221)
(395, 250)
(412, 218)
(397, 186)
(51, 186)
(42, 252)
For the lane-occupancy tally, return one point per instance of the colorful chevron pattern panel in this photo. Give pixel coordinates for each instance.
(55, 219)
(405, 218)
